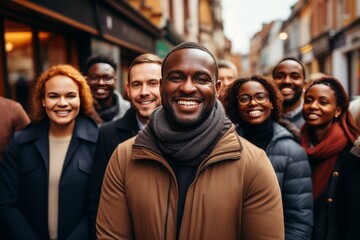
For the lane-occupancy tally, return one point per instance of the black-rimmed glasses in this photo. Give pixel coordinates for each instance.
(108, 79)
(260, 98)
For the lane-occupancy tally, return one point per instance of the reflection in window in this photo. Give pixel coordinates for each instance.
(20, 65)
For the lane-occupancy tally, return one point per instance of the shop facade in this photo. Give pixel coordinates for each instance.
(346, 58)
(39, 34)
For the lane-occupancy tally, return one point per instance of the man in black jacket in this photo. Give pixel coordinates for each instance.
(143, 91)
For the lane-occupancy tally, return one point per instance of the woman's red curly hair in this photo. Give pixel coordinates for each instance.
(86, 99)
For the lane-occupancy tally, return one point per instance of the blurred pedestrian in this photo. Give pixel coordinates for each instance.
(101, 76)
(227, 75)
(313, 76)
(289, 76)
(354, 108)
(144, 94)
(14, 118)
(255, 105)
(187, 174)
(327, 136)
(46, 169)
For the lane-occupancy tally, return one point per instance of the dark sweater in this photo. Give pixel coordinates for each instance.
(260, 135)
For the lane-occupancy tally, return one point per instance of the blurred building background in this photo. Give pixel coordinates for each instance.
(323, 34)
(37, 34)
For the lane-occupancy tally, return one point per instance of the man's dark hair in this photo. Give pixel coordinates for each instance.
(291, 59)
(192, 45)
(98, 59)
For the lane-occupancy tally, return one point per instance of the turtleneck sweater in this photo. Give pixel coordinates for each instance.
(260, 135)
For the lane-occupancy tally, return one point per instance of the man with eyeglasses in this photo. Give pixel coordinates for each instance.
(143, 91)
(100, 73)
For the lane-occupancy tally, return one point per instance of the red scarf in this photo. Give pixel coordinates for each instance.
(323, 156)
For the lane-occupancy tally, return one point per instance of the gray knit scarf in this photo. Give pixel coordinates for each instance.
(193, 143)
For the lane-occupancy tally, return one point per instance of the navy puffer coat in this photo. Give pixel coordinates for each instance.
(293, 171)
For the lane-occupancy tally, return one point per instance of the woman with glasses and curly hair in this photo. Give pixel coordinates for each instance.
(254, 104)
(46, 169)
(327, 136)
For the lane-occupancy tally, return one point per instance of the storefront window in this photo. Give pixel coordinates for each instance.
(20, 64)
(52, 49)
(24, 64)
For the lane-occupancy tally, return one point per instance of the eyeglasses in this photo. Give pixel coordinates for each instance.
(96, 78)
(258, 97)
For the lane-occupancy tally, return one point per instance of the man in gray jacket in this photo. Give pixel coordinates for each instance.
(100, 74)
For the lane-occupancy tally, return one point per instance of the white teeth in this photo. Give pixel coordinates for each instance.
(187, 103)
(62, 112)
(313, 116)
(145, 102)
(100, 90)
(286, 90)
(255, 113)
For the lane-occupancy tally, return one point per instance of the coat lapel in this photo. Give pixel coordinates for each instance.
(80, 133)
(40, 135)
(42, 145)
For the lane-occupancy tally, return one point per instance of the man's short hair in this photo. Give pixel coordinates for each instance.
(144, 58)
(191, 45)
(223, 63)
(291, 59)
(98, 59)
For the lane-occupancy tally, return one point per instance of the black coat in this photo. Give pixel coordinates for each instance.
(349, 197)
(110, 135)
(24, 183)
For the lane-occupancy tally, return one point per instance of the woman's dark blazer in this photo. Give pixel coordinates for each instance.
(24, 183)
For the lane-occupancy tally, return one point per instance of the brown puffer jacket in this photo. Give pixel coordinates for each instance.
(235, 195)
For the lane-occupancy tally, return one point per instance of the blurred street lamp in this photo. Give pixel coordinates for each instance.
(283, 36)
(9, 46)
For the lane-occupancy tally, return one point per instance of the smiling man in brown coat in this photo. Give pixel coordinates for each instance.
(188, 175)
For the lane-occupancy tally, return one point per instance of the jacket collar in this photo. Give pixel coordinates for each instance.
(41, 130)
(281, 132)
(128, 121)
(229, 147)
(85, 129)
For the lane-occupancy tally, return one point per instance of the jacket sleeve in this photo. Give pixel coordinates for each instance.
(113, 218)
(262, 208)
(98, 171)
(21, 118)
(297, 196)
(12, 220)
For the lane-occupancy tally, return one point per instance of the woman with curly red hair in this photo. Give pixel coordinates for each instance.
(47, 166)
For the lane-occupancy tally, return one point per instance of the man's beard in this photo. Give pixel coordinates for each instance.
(292, 101)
